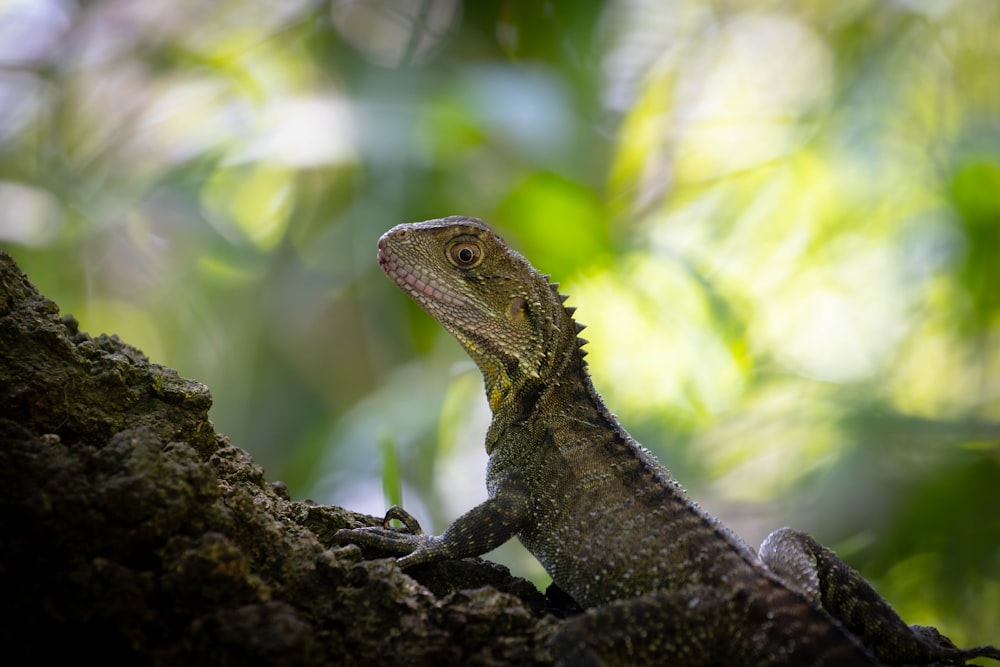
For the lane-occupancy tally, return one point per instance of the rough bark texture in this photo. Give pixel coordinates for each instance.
(133, 532)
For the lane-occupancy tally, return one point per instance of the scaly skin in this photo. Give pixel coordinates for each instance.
(664, 582)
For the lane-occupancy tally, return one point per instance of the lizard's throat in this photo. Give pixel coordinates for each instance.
(499, 383)
(504, 374)
(510, 388)
(498, 386)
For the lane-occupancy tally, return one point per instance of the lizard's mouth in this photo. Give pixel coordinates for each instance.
(423, 288)
(382, 254)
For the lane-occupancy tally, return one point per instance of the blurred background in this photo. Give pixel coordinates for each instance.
(780, 221)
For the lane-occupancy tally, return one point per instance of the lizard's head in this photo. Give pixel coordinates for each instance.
(506, 315)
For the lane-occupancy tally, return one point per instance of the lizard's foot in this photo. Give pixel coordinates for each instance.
(958, 656)
(384, 538)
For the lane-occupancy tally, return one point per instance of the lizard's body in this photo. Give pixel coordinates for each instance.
(665, 582)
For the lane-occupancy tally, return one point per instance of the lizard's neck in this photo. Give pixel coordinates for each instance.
(503, 381)
(515, 400)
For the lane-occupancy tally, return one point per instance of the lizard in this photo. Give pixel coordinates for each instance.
(661, 580)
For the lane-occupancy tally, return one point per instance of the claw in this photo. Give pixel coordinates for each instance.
(408, 520)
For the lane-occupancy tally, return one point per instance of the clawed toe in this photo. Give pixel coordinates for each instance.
(408, 520)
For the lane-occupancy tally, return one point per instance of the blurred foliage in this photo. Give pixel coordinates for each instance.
(779, 219)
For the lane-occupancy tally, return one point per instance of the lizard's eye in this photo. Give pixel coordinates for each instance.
(465, 254)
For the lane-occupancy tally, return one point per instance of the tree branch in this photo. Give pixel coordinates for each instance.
(132, 530)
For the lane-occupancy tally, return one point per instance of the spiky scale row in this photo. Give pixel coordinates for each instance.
(570, 310)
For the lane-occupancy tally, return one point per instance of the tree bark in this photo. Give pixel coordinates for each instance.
(133, 532)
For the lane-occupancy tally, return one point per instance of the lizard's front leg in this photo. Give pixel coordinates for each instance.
(481, 529)
(844, 594)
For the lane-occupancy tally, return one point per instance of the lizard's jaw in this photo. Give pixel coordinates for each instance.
(424, 287)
